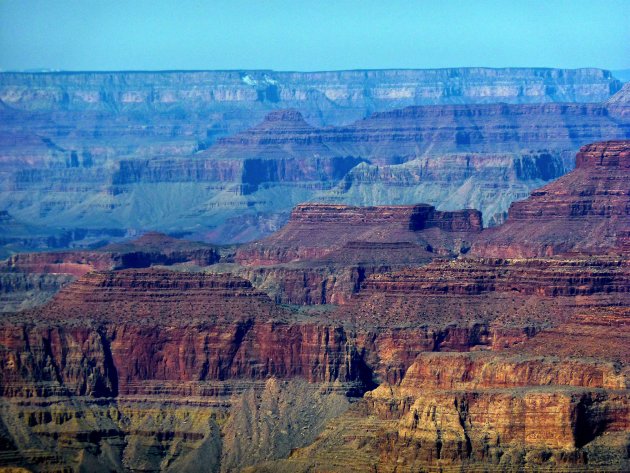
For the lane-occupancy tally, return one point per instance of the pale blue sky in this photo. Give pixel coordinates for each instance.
(312, 35)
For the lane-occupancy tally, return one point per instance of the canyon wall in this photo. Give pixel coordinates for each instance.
(317, 230)
(331, 97)
(113, 368)
(449, 346)
(87, 158)
(585, 211)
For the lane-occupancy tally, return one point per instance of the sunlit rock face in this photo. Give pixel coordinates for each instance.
(317, 230)
(88, 158)
(621, 98)
(161, 368)
(585, 211)
(382, 338)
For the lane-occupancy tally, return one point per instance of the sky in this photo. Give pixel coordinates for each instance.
(312, 35)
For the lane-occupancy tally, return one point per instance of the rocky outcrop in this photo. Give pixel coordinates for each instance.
(584, 211)
(158, 249)
(29, 280)
(621, 98)
(334, 96)
(150, 249)
(485, 181)
(460, 362)
(316, 231)
(121, 333)
(482, 128)
(526, 295)
(337, 277)
(109, 322)
(479, 412)
(283, 148)
(325, 252)
(477, 371)
(413, 217)
(544, 277)
(75, 263)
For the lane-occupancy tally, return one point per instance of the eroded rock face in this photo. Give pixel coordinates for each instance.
(544, 277)
(621, 98)
(148, 156)
(147, 336)
(325, 252)
(75, 263)
(150, 249)
(316, 230)
(585, 211)
(131, 326)
(30, 279)
(458, 362)
(20, 291)
(264, 90)
(475, 371)
(479, 411)
(263, 422)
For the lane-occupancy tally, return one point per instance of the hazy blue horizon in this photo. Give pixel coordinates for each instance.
(283, 35)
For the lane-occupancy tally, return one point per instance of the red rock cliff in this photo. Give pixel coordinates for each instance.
(588, 210)
(316, 230)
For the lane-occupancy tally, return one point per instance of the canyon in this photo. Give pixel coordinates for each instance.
(30, 279)
(88, 159)
(398, 270)
(380, 338)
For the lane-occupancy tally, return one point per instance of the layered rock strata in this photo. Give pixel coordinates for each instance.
(462, 363)
(585, 211)
(150, 249)
(30, 279)
(121, 334)
(325, 252)
(19, 291)
(622, 97)
(528, 414)
(316, 230)
(172, 177)
(333, 96)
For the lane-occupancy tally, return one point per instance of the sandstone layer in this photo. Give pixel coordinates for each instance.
(315, 230)
(585, 211)
(325, 252)
(30, 279)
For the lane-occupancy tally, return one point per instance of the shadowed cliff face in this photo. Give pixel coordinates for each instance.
(93, 157)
